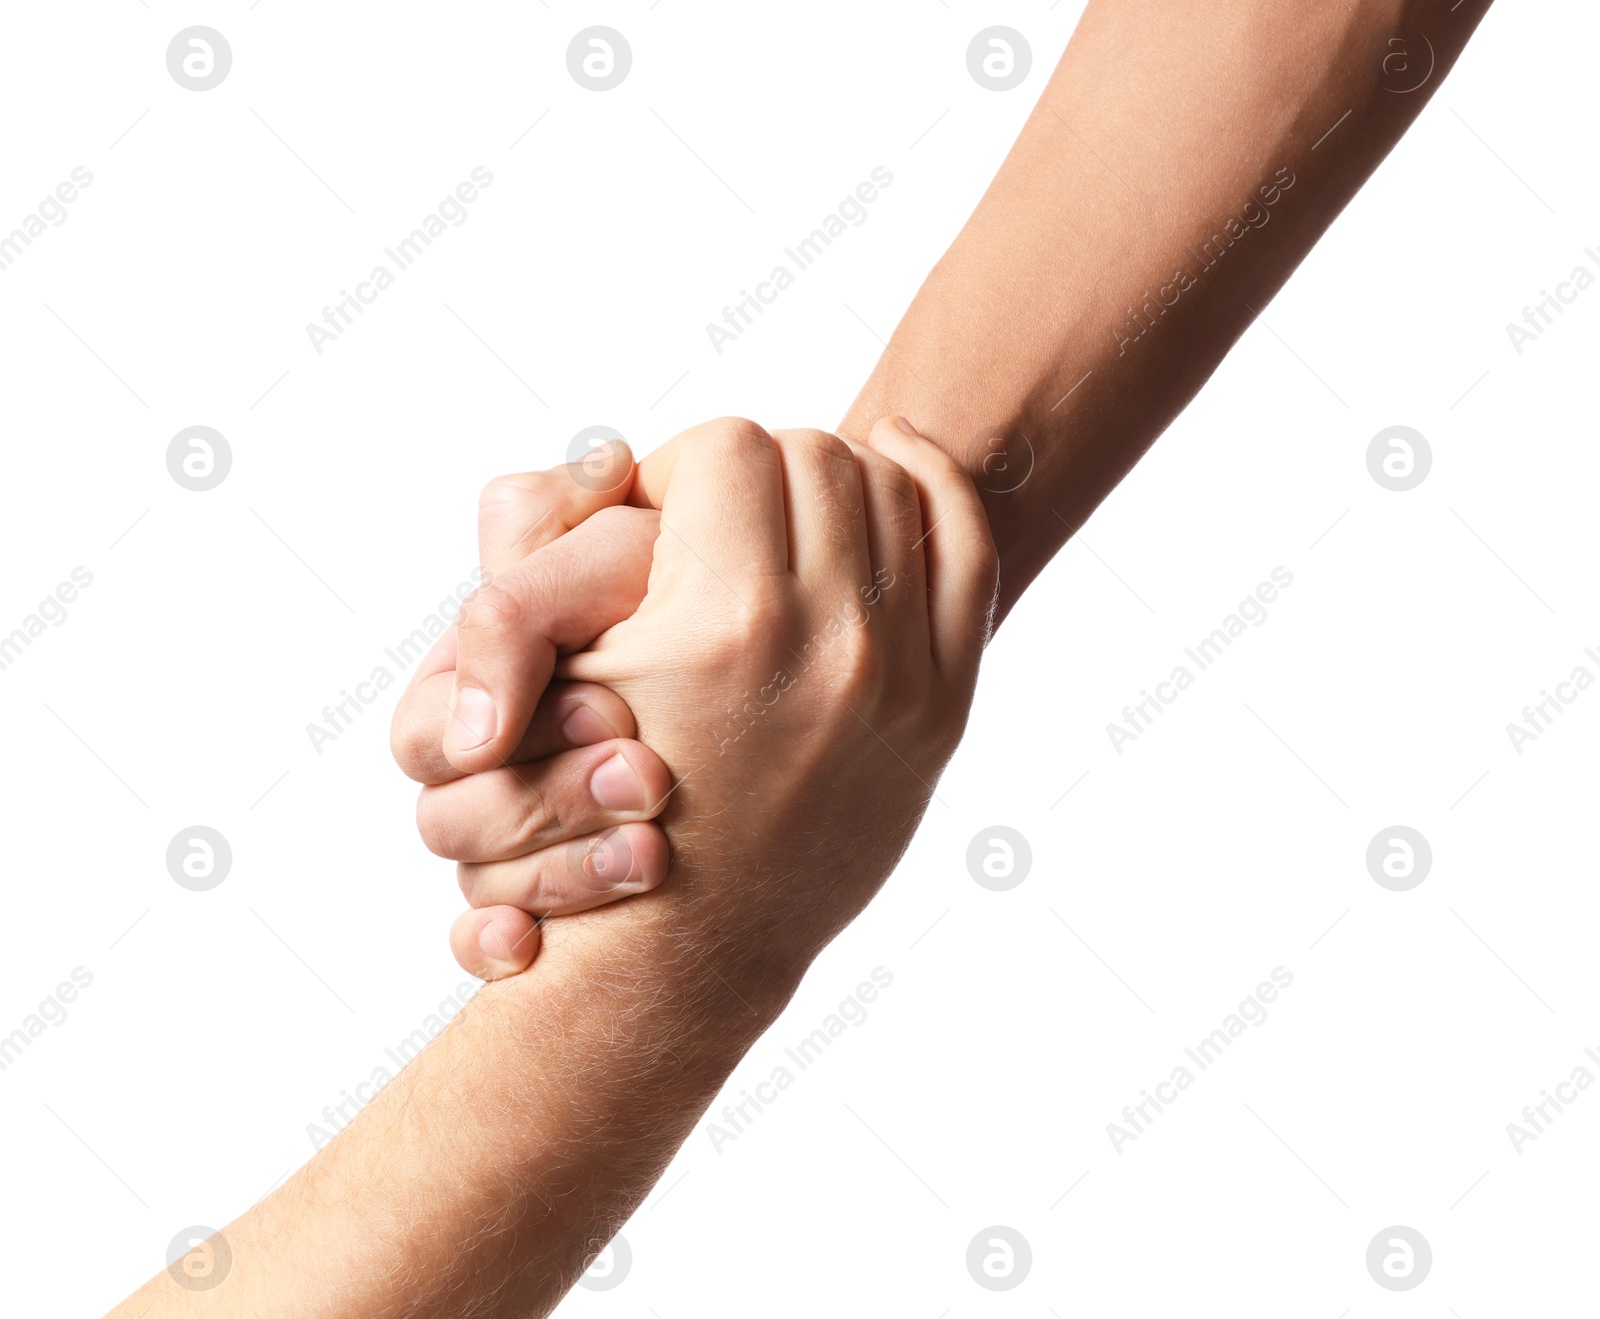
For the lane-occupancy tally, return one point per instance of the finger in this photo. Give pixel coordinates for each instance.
(823, 506)
(517, 515)
(963, 566)
(569, 715)
(584, 873)
(898, 597)
(509, 635)
(720, 490)
(524, 512)
(495, 943)
(505, 813)
(416, 730)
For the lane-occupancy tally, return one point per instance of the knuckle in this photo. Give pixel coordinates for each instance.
(821, 444)
(730, 647)
(406, 743)
(539, 815)
(836, 468)
(739, 431)
(614, 520)
(504, 490)
(522, 490)
(491, 612)
(755, 628)
(858, 670)
(734, 441)
(436, 824)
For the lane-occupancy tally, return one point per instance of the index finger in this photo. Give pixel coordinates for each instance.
(511, 631)
(719, 487)
(525, 511)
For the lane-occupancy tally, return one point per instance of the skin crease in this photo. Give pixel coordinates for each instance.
(483, 1178)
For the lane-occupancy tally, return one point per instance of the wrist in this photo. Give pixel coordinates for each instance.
(660, 975)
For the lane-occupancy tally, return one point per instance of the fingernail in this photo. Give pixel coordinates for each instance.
(492, 944)
(583, 728)
(474, 718)
(615, 787)
(608, 864)
(906, 426)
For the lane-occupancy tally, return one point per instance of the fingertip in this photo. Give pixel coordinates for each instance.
(652, 854)
(893, 432)
(573, 715)
(606, 469)
(654, 777)
(585, 726)
(470, 728)
(614, 864)
(496, 942)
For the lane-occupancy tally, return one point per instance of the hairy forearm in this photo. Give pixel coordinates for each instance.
(1178, 167)
(483, 1179)
(1145, 214)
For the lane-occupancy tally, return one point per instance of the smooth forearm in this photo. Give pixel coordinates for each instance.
(1178, 167)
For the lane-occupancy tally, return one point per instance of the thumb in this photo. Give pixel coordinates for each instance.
(511, 631)
(525, 511)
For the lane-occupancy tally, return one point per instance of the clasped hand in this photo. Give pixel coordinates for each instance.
(739, 667)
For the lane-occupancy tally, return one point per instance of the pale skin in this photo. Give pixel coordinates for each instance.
(485, 1177)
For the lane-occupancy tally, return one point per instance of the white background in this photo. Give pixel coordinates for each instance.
(178, 690)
